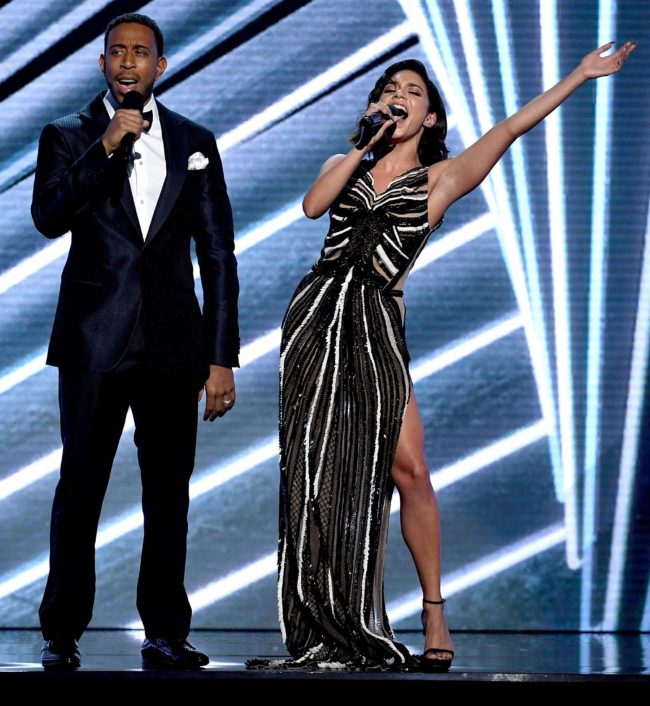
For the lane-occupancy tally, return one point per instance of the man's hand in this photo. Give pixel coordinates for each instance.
(219, 392)
(123, 122)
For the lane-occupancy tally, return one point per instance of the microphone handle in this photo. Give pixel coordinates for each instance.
(125, 149)
(133, 100)
(369, 124)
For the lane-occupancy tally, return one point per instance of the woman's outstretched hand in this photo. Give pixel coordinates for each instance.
(595, 65)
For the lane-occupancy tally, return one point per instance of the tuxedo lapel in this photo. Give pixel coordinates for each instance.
(96, 112)
(175, 140)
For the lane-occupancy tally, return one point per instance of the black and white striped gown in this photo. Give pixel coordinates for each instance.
(344, 387)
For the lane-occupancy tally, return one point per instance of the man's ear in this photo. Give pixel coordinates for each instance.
(102, 63)
(161, 65)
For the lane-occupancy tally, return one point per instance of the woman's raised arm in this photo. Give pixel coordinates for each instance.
(457, 177)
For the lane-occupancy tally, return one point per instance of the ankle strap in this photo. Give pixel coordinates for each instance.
(440, 602)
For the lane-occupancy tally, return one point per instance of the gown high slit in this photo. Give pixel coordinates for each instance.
(344, 388)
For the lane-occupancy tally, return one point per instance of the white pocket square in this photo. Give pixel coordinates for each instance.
(197, 161)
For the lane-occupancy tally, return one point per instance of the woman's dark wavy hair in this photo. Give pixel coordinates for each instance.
(432, 147)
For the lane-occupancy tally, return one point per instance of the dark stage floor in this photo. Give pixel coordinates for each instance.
(510, 663)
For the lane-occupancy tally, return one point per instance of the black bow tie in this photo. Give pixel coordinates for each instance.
(148, 115)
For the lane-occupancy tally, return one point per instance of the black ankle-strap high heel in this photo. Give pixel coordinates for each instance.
(434, 664)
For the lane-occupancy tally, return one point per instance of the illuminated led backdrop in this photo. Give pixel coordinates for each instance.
(528, 312)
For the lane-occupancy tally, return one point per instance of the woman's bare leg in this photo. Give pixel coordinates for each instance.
(420, 520)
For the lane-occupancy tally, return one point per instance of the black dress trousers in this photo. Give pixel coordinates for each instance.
(93, 409)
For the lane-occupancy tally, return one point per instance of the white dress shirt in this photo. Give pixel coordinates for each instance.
(147, 168)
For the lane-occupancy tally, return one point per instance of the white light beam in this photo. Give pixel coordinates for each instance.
(636, 393)
(596, 318)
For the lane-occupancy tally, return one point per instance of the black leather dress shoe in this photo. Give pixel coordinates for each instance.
(60, 654)
(162, 653)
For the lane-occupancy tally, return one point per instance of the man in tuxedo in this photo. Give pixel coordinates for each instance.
(133, 189)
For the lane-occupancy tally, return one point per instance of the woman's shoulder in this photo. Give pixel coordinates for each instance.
(330, 162)
(437, 169)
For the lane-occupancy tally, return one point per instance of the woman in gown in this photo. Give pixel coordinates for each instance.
(350, 429)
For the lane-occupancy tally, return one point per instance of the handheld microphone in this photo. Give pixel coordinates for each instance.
(376, 119)
(133, 100)
(369, 124)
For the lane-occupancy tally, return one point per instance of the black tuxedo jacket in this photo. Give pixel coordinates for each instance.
(113, 276)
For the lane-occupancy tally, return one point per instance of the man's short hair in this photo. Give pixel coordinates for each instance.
(138, 19)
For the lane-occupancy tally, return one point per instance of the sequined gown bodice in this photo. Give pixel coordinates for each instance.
(344, 387)
(378, 235)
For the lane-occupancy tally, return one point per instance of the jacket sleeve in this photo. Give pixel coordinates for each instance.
(64, 184)
(215, 250)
